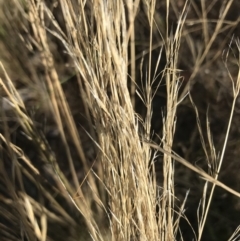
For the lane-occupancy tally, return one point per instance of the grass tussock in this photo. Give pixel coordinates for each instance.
(81, 158)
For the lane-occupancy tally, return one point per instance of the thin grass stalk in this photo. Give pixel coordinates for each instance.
(224, 10)
(235, 95)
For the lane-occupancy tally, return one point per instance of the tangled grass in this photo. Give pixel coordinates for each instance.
(98, 180)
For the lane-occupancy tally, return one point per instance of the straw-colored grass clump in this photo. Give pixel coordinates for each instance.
(80, 156)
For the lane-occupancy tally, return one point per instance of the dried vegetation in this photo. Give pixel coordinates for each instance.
(110, 113)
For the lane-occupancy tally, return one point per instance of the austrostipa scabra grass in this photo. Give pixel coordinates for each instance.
(90, 132)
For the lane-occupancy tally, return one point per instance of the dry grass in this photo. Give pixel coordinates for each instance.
(57, 193)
